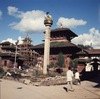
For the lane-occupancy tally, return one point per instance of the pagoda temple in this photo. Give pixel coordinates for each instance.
(7, 55)
(21, 54)
(60, 42)
(25, 50)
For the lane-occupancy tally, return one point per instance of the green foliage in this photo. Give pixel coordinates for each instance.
(61, 60)
(73, 63)
(52, 64)
(1, 71)
(56, 44)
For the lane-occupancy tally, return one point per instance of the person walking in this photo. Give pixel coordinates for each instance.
(69, 75)
(77, 78)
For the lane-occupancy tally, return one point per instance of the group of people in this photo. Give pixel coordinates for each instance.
(70, 77)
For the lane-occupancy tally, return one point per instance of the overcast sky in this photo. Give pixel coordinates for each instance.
(19, 17)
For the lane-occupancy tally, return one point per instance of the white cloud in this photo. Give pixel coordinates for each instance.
(72, 22)
(92, 37)
(12, 10)
(0, 14)
(10, 40)
(14, 41)
(20, 39)
(30, 21)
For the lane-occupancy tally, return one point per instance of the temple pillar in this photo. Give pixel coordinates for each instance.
(47, 22)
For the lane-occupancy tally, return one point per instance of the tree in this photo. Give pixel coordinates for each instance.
(73, 63)
(1, 71)
(52, 64)
(61, 60)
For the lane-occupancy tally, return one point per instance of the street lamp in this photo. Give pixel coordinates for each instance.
(16, 43)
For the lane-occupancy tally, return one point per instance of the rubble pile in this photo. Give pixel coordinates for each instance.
(58, 80)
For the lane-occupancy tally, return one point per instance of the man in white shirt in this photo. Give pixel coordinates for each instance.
(77, 77)
(69, 75)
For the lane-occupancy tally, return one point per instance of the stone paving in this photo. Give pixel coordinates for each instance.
(16, 90)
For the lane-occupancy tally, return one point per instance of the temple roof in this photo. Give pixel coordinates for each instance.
(89, 52)
(82, 60)
(82, 52)
(8, 46)
(93, 51)
(27, 39)
(65, 32)
(6, 43)
(5, 54)
(10, 55)
(56, 44)
(56, 47)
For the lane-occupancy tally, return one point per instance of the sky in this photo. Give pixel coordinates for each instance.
(19, 17)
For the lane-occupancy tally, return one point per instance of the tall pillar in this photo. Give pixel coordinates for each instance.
(47, 22)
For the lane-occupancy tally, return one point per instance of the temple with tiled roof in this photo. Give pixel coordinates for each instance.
(20, 54)
(7, 55)
(25, 50)
(60, 42)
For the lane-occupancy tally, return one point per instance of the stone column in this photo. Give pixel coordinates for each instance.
(47, 22)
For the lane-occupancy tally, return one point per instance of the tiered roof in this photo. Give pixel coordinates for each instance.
(60, 42)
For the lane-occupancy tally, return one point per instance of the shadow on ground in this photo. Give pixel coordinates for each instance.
(65, 89)
(93, 76)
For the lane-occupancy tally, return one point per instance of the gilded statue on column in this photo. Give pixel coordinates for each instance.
(48, 19)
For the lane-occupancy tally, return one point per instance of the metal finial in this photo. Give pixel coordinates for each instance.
(61, 26)
(48, 19)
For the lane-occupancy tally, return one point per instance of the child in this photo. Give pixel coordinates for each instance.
(77, 77)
